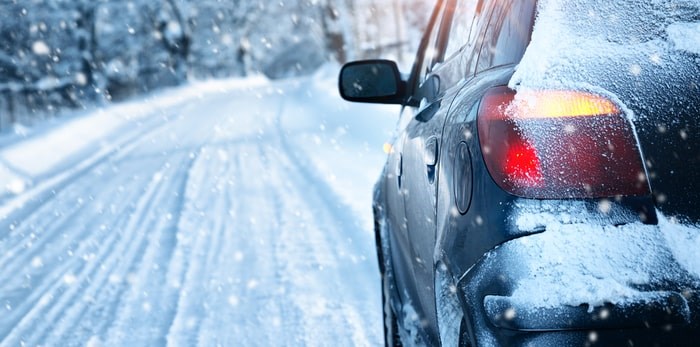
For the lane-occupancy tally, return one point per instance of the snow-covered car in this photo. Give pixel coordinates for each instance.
(543, 184)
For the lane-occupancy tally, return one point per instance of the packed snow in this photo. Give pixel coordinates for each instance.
(578, 260)
(644, 35)
(222, 213)
(685, 36)
(594, 255)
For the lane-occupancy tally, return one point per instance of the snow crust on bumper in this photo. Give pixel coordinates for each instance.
(580, 273)
(646, 310)
(593, 265)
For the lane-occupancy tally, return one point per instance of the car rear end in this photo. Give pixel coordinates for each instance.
(595, 145)
(578, 284)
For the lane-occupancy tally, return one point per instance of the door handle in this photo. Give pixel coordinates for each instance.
(430, 157)
(398, 170)
(428, 112)
(430, 103)
(430, 151)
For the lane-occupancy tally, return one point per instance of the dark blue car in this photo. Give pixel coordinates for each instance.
(543, 186)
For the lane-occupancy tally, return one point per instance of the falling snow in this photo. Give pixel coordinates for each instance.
(40, 48)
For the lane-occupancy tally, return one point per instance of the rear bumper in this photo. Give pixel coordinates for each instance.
(655, 309)
(659, 319)
(597, 286)
(651, 337)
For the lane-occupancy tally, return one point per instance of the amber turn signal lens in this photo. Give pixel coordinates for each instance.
(559, 144)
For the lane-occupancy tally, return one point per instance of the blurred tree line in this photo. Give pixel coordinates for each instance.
(58, 54)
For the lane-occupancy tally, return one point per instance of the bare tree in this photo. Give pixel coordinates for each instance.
(336, 21)
(177, 38)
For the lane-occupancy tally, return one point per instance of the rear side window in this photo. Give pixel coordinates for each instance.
(429, 51)
(508, 33)
(462, 28)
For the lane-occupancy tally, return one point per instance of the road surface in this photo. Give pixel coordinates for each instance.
(234, 218)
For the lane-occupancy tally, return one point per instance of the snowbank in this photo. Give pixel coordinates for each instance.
(35, 154)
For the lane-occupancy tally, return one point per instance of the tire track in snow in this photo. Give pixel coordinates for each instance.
(220, 302)
(52, 286)
(315, 258)
(150, 299)
(18, 252)
(199, 242)
(147, 267)
(258, 249)
(47, 280)
(226, 277)
(282, 313)
(17, 209)
(242, 289)
(330, 284)
(153, 302)
(114, 259)
(69, 207)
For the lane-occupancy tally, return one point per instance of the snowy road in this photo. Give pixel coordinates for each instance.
(238, 218)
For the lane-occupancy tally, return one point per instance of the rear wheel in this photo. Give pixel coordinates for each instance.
(451, 322)
(464, 340)
(391, 326)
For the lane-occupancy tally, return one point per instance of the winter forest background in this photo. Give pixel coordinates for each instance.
(67, 54)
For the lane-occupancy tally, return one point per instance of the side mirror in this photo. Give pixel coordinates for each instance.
(372, 81)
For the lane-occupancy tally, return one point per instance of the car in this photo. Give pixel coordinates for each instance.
(542, 187)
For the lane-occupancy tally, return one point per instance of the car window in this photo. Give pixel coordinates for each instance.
(432, 52)
(508, 34)
(462, 29)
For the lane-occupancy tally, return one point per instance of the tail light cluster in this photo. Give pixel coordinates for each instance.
(559, 144)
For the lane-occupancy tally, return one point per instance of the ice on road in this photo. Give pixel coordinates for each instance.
(238, 216)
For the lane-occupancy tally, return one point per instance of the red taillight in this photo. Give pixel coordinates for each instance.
(559, 144)
(522, 165)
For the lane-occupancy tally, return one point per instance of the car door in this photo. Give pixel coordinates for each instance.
(501, 32)
(394, 181)
(421, 146)
(395, 216)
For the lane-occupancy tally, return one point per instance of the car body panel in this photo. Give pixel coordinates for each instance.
(444, 211)
(667, 300)
(664, 123)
